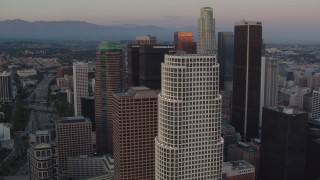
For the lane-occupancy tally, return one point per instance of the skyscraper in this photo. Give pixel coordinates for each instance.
(80, 85)
(183, 41)
(6, 87)
(73, 135)
(206, 32)
(135, 126)
(189, 143)
(108, 79)
(147, 39)
(150, 59)
(225, 57)
(283, 144)
(42, 156)
(269, 84)
(133, 64)
(246, 78)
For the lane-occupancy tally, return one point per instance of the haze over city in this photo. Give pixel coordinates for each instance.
(286, 21)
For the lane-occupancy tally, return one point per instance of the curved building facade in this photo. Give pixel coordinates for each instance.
(189, 143)
(206, 32)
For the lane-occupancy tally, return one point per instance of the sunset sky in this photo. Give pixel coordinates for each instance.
(288, 19)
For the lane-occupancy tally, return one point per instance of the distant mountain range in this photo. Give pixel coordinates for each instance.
(79, 30)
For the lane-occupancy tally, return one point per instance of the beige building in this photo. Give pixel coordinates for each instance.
(249, 152)
(73, 135)
(147, 39)
(134, 116)
(42, 156)
(80, 85)
(238, 170)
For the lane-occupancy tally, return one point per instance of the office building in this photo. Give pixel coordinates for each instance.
(311, 104)
(269, 81)
(284, 139)
(84, 166)
(150, 59)
(206, 32)
(246, 78)
(183, 41)
(230, 136)
(248, 151)
(269, 84)
(6, 87)
(65, 70)
(313, 149)
(80, 85)
(135, 126)
(225, 57)
(146, 39)
(42, 156)
(73, 137)
(133, 64)
(108, 80)
(87, 109)
(238, 170)
(189, 143)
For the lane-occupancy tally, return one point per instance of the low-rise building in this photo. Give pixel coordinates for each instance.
(238, 170)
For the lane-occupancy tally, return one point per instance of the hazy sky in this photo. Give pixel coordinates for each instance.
(295, 19)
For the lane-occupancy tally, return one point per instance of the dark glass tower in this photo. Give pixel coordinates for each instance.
(151, 57)
(133, 65)
(283, 144)
(87, 109)
(246, 78)
(225, 57)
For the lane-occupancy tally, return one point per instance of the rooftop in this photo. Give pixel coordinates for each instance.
(286, 110)
(238, 165)
(73, 119)
(109, 45)
(245, 146)
(138, 92)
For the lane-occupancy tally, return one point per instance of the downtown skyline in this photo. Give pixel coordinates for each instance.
(286, 21)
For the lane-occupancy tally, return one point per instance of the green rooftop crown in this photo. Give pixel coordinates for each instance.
(109, 45)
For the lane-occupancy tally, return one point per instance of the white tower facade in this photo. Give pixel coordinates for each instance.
(206, 32)
(80, 85)
(189, 145)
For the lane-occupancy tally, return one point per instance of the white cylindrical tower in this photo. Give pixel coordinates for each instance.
(189, 145)
(206, 32)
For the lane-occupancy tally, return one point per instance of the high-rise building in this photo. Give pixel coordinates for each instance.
(238, 170)
(189, 143)
(246, 78)
(206, 32)
(225, 57)
(42, 156)
(133, 64)
(108, 80)
(6, 87)
(65, 70)
(80, 85)
(269, 84)
(135, 126)
(150, 59)
(147, 39)
(73, 136)
(183, 41)
(87, 109)
(283, 143)
(313, 149)
(269, 81)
